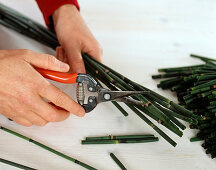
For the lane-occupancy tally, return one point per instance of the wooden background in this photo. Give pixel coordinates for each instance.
(138, 37)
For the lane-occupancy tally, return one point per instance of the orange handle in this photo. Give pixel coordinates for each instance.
(67, 78)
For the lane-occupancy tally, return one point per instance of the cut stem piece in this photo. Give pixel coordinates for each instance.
(111, 137)
(147, 140)
(117, 161)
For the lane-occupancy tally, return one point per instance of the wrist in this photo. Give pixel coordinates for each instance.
(62, 10)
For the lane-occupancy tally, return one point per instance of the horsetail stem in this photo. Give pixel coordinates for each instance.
(147, 140)
(111, 137)
(14, 164)
(48, 148)
(117, 161)
(197, 93)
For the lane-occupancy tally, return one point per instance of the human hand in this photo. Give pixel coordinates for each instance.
(75, 37)
(23, 89)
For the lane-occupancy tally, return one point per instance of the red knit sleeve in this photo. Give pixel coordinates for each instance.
(47, 7)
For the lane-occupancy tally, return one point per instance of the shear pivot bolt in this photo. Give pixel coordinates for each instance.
(90, 100)
(106, 96)
(90, 88)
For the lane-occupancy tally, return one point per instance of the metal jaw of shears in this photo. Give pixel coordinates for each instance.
(103, 95)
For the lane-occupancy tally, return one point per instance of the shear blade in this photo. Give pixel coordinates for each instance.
(129, 101)
(106, 95)
(122, 94)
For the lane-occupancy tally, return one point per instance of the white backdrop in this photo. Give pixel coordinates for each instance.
(137, 37)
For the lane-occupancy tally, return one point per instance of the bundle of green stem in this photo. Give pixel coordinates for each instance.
(196, 90)
(120, 139)
(157, 107)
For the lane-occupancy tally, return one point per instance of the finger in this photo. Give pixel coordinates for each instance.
(49, 112)
(94, 49)
(46, 61)
(59, 98)
(65, 58)
(14, 52)
(75, 60)
(61, 55)
(22, 121)
(57, 107)
(35, 119)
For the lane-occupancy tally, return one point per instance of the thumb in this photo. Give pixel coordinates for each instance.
(47, 61)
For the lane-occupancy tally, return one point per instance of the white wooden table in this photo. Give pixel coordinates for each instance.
(138, 37)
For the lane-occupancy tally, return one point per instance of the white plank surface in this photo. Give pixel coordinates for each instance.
(138, 37)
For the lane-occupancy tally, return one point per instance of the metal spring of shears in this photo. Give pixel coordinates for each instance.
(80, 93)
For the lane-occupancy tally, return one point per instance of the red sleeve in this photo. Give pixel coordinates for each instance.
(47, 7)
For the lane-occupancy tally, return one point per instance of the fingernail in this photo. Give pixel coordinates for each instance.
(81, 113)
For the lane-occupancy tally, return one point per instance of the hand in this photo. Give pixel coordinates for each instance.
(75, 37)
(23, 89)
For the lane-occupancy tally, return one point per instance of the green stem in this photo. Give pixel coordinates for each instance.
(117, 161)
(167, 138)
(111, 137)
(48, 148)
(202, 58)
(175, 69)
(16, 164)
(147, 140)
(124, 86)
(120, 108)
(170, 115)
(168, 124)
(195, 139)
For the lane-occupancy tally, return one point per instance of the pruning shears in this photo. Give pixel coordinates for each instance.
(103, 95)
